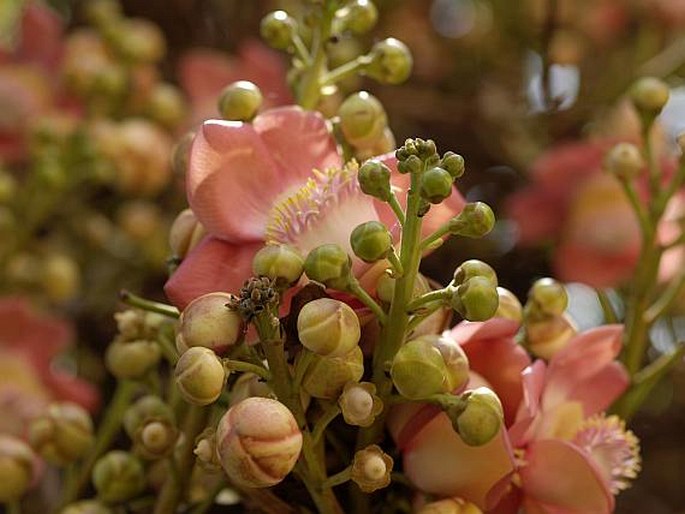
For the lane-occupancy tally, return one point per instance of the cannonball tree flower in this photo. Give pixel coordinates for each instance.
(277, 180)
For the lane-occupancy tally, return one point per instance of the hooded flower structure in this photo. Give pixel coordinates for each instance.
(559, 453)
(279, 179)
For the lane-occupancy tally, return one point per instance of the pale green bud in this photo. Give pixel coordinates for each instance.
(328, 327)
(371, 241)
(362, 119)
(150, 423)
(649, 95)
(185, 233)
(17, 470)
(208, 322)
(624, 161)
(453, 163)
(474, 268)
(455, 360)
(132, 359)
(546, 297)
(166, 105)
(419, 370)
(101, 12)
(475, 220)
(358, 16)
(391, 62)
(330, 265)
(278, 29)
(546, 336)
(326, 376)
(137, 40)
(240, 101)
(509, 306)
(412, 164)
(476, 299)
(118, 476)
(371, 468)
(282, 263)
(481, 419)
(86, 507)
(200, 376)
(374, 180)
(8, 186)
(63, 434)
(436, 185)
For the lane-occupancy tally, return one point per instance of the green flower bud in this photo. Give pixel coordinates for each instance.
(240, 101)
(118, 476)
(330, 265)
(482, 417)
(278, 29)
(412, 164)
(358, 16)
(371, 241)
(61, 277)
(624, 161)
(385, 144)
(258, 442)
(362, 119)
(450, 506)
(137, 40)
(436, 185)
(419, 370)
(546, 336)
(166, 105)
(63, 434)
(426, 149)
(17, 470)
(359, 404)
(371, 468)
(509, 306)
(282, 263)
(208, 322)
(86, 507)
(374, 180)
(391, 62)
(649, 95)
(474, 268)
(475, 220)
(328, 327)
(150, 423)
(326, 376)
(455, 360)
(102, 12)
(453, 163)
(406, 150)
(200, 376)
(476, 299)
(546, 297)
(185, 233)
(149, 407)
(132, 359)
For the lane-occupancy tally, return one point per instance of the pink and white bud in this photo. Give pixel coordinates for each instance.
(208, 322)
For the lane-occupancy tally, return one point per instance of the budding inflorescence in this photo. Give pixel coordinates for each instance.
(257, 295)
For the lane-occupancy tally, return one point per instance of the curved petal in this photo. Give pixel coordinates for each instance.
(601, 390)
(562, 476)
(213, 265)
(533, 382)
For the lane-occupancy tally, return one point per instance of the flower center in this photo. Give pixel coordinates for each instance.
(615, 449)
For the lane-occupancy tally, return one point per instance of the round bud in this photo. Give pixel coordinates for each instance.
(359, 404)
(150, 423)
(358, 16)
(450, 506)
(453, 163)
(649, 95)
(326, 376)
(200, 376)
(330, 265)
(17, 470)
(391, 62)
(145, 409)
(166, 105)
(476, 299)
(258, 442)
(545, 337)
(278, 29)
(208, 322)
(61, 277)
(185, 233)
(419, 370)
(547, 297)
(455, 360)
(240, 101)
(362, 119)
(482, 418)
(625, 161)
(282, 263)
(509, 306)
(475, 220)
(374, 180)
(63, 434)
(118, 476)
(371, 241)
(371, 468)
(138, 40)
(132, 359)
(101, 12)
(474, 268)
(436, 185)
(86, 507)
(426, 149)
(328, 327)
(412, 164)
(205, 452)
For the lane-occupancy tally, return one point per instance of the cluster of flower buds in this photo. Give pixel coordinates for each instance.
(151, 425)
(475, 295)
(118, 476)
(17, 468)
(135, 350)
(63, 434)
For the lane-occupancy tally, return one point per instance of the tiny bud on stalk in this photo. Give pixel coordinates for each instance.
(374, 180)
(208, 322)
(200, 376)
(390, 62)
(17, 470)
(118, 476)
(63, 434)
(240, 101)
(475, 220)
(328, 327)
(649, 95)
(371, 241)
(282, 263)
(624, 161)
(371, 469)
(278, 29)
(362, 119)
(481, 419)
(326, 376)
(330, 265)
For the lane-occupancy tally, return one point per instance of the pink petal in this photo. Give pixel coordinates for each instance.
(42, 32)
(533, 382)
(65, 387)
(560, 475)
(580, 263)
(538, 217)
(601, 390)
(213, 265)
(204, 72)
(267, 69)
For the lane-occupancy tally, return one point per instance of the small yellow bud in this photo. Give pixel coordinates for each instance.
(371, 469)
(63, 434)
(200, 376)
(282, 263)
(509, 306)
(61, 277)
(546, 336)
(185, 233)
(208, 322)
(132, 359)
(482, 418)
(240, 101)
(86, 507)
(649, 95)
(624, 161)
(118, 476)
(359, 403)
(362, 119)
(17, 470)
(328, 327)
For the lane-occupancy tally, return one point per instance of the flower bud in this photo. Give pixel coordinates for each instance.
(138, 40)
(450, 506)
(391, 62)
(547, 336)
(412, 164)
(359, 404)
(358, 16)
(118, 476)
(481, 419)
(185, 233)
(86, 507)
(476, 299)
(17, 470)
(509, 306)
(61, 277)
(546, 297)
(208, 322)
(240, 101)
(330, 265)
(385, 144)
(258, 442)
(374, 180)
(649, 95)
(200, 376)
(150, 424)
(453, 163)
(475, 220)
(248, 385)
(625, 161)
(455, 360)
(278, 29)
(362, 119)
(63, 434)
(371, 241)
(166, 105)
(132, 359)
(328, 327)
(101, 12)
(326, 376)
(436, 185)
(474, 268)
(419, 370)
(205, 452)
(282, 263)
(371, 468)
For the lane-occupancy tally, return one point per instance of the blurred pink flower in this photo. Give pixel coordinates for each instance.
(29, 342)
(279, 179)
(567, 458)
(204, 72)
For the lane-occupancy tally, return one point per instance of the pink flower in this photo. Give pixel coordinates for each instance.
(279, 179)
(567, 458)
(205, 72)
(29, 342)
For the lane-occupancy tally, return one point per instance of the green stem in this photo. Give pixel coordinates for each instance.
(348, 69)
(417, 318)
(13, 507)
(609, 313)
(665, 301)
(396, 208)
(441, 232)
(133, 300)
(168, 348)
(339, 478)
(433, 296)
(305, 359)
(636, 204)
(301, 50)
(247, 367)
(331, 412)
(394, 259)
(652, 163)
(357, 290)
